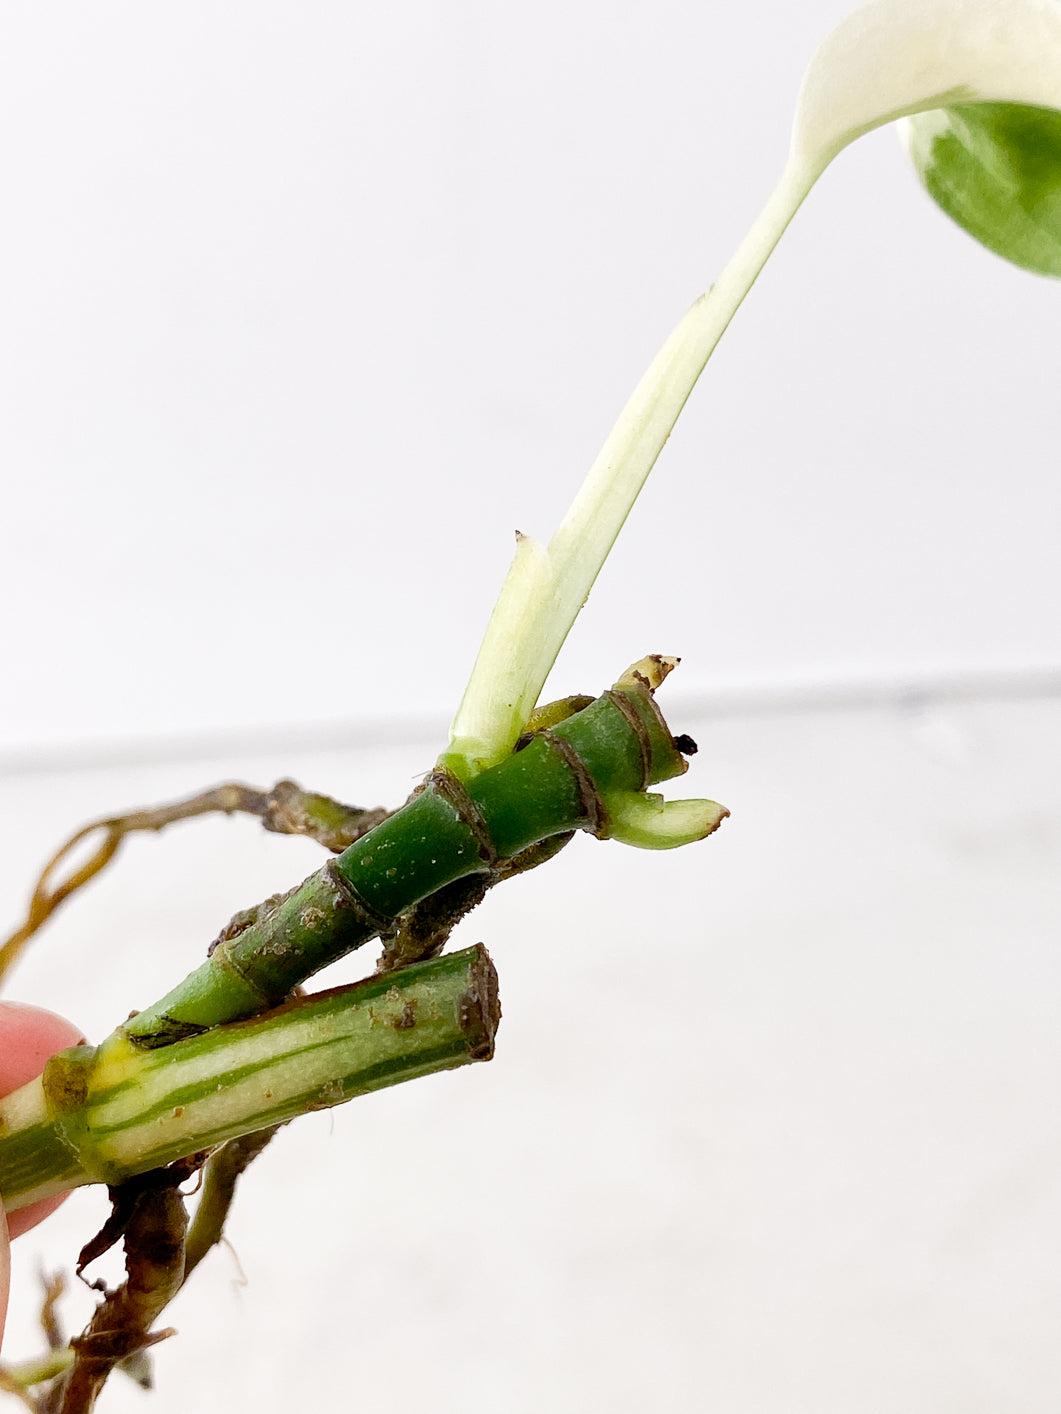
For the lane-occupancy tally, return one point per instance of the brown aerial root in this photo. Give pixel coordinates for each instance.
(287, 809)
(121, 1326)
(162, 1249)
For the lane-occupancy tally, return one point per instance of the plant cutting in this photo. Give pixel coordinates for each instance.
(978, 86)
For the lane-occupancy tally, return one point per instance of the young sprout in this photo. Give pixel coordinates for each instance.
(983, 78)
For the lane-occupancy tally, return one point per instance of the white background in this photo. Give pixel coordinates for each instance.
(304, 310)
(307, 308)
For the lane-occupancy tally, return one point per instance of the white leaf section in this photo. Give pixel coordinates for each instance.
(896, 57)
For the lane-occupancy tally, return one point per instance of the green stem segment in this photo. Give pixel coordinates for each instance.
(106, 1113)
(448, 831)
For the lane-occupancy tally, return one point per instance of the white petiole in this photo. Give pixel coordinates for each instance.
(890, 59)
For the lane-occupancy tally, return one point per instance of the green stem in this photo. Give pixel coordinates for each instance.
(107, 1113)
(449, 831)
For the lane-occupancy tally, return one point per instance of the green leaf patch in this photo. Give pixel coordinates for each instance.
(995, 168)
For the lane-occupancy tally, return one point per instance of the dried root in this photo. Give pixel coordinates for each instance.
(162, 1249)
(287, 809)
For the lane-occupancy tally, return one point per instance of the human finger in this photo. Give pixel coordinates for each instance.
(28, 1036)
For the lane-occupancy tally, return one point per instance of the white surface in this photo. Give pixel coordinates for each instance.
(772, 1127)
(306, 309)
